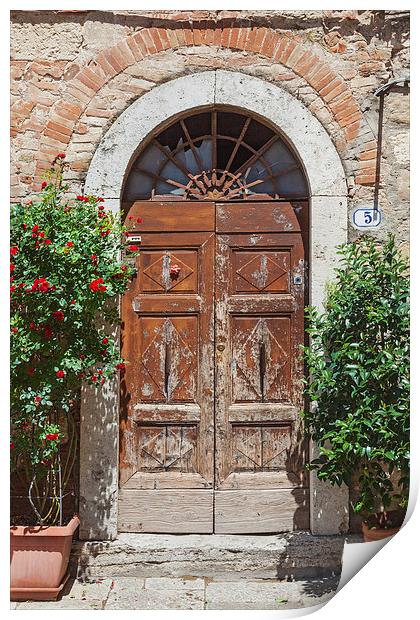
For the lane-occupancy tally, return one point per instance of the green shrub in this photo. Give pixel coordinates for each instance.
(358, 376)
(65, 269)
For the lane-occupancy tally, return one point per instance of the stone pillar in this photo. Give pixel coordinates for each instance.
(99, 462)
(99, 449)
(328, 504)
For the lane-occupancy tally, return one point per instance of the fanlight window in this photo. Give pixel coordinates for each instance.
(216, 155)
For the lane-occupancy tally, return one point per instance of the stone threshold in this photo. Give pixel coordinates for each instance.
(288, 556)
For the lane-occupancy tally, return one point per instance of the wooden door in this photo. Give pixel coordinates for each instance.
(210, 433)
(167, 398)
(260, 454)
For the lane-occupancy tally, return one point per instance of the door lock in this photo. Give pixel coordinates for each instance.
(220, 347)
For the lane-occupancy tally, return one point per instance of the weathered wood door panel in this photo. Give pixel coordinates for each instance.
(260, 453)
(210, 437)
(167, 423)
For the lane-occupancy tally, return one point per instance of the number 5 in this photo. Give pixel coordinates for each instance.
(368, 217)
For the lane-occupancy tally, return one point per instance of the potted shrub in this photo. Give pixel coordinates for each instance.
(65, 267)
(358, 383)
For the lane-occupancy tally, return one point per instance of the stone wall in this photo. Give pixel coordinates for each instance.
(74, 72)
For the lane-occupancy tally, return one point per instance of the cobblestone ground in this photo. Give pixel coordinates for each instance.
(189, 593)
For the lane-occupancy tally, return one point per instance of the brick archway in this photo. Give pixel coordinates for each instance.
(291, 118)
(280, 48)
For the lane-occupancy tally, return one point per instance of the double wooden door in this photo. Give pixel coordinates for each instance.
(212, 328)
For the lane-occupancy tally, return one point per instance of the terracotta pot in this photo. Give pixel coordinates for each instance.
(371, 535)
(39, 556)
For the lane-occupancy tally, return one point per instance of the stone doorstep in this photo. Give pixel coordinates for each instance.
(291, 556)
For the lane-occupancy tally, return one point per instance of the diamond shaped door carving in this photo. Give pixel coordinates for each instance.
(169, 271)
(167, 448)
(261, 271)
(260, 448)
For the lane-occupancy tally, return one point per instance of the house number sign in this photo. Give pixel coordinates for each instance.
(366, 218)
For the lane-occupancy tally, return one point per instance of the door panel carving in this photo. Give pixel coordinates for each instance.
(169, 271)
(167, 448)
(260, 448)
(259, 272)
(260, 359)
(168, 359)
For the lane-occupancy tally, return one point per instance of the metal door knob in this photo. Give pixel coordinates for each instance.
(220, 347)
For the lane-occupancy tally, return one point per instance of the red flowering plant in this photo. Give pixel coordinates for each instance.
(65, 272)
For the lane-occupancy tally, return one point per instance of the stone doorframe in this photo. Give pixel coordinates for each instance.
(99, 442)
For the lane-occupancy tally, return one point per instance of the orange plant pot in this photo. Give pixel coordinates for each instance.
(372, 535)
(39, 556)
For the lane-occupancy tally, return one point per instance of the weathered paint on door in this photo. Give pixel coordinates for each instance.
(212, 325)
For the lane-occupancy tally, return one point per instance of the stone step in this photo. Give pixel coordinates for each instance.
(288, 556)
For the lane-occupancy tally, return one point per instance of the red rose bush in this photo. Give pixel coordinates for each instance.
(65, 270)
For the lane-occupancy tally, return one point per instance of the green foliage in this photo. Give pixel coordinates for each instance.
(65, 270)
(358, 369)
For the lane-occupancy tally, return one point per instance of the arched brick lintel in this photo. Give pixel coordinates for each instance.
(281, 48)
(290, 116)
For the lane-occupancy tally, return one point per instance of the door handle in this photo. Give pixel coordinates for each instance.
(220, 347)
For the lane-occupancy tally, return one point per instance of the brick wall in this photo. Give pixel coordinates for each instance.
(74, 72)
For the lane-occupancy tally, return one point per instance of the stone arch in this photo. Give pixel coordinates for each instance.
(282, 48)
(302, 130)
(328, 204)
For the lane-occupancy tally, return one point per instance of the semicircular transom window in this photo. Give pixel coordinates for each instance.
(216, 155)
